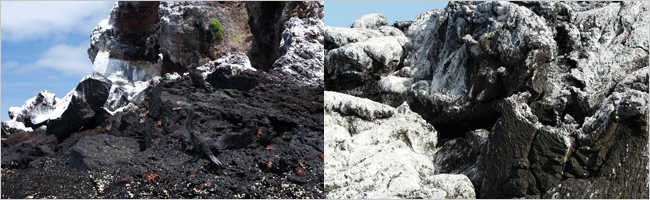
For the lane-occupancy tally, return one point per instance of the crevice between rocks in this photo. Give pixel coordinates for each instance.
(458, 128)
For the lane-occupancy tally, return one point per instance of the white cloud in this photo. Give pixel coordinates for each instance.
(67, 59)
(25, 20)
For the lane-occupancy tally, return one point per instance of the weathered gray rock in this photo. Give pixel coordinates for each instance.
(463, 156)
(125, 44)
(562, 87)
(402, 25)
(370, 21)
(268, 22)
(302, 42)
(611, 160)
(36, 111)
(336, 37)
(376, 151)
(141, 40)
(354, 64)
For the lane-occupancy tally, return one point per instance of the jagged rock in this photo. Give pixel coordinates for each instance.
(12, 126)
(354, 65)
(568, 80)
(35, 111)
(288, 117)
(268, 22)
(24, 147)
(125, 44)
(56, 182)
(94, 154)
(84, 101)
(233, 63)
(512, 135)
(302, 42)
(336, 37)
(373, 150)
(612, 152)
(463, 156)
(370, 21)
(141, 40)
(550, 153)
(124, 95)
(402, 25)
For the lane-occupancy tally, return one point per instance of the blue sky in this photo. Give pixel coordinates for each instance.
(44, 47)
(343, 13)
(44, 43)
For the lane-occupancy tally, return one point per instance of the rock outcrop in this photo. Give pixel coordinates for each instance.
(529, 99)
(268, 22)
(141, 40)
(83, 102)
(358, 56)
(119, 124)
(377, 151)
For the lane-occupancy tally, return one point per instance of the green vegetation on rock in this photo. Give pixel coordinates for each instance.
(217, 29)
(236, 38)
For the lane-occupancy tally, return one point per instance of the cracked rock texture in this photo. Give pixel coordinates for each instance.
(377, 151)
(116, 134)
(529, 99)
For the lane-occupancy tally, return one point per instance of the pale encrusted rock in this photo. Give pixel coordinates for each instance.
(377, 151)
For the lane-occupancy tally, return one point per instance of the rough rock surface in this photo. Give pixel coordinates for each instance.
(84, 101)
(36, 110)
(462, 155)
(48, 183)
(119, 126)
(377, 151)
(141, 40)
(561, 87)
(370, 21)
(358, 56)
(302, 42)
(268, 24)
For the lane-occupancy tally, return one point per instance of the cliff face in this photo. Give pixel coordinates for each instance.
(120, 124)
(561, 87)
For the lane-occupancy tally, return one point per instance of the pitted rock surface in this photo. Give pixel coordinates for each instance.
(377, 151)
(558, 89)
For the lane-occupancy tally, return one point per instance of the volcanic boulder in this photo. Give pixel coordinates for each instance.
(374, 150)
(561, 87)
(84, 101)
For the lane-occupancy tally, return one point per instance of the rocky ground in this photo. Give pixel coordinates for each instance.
(119, 133)
(522, 99)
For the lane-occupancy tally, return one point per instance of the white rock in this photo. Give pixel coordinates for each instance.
(377, 151)
(370, 21)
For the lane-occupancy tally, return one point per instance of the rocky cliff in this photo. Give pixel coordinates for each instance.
(527, 99)
(118, 134)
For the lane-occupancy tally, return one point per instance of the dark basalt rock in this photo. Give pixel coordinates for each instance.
(56, 182)
(402, 25)
(99, 153)
(506, 165)
(562, 87)
(87, 98)
(223, 79)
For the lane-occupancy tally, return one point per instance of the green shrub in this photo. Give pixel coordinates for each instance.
(217, 29)
(236, 38)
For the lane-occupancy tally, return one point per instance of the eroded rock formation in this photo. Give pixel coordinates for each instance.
(377, 151)
(119, 125)
(527, 98)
